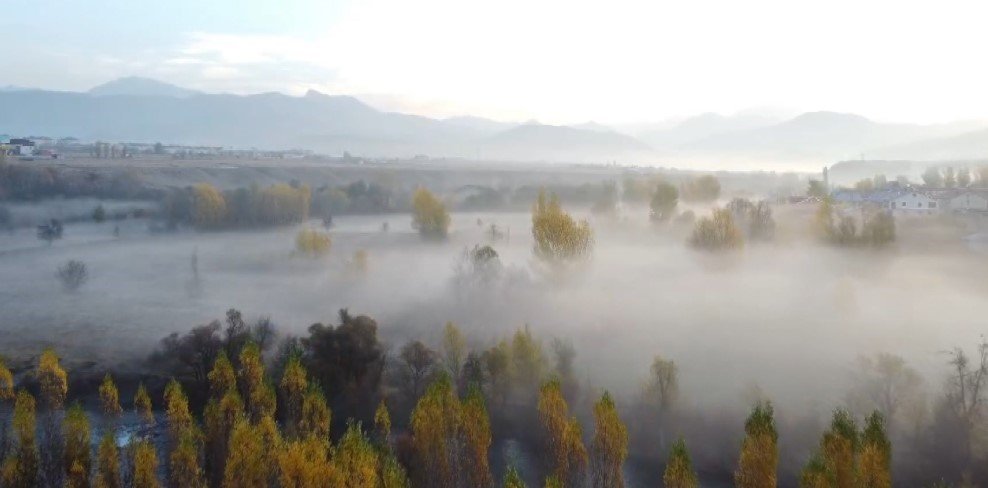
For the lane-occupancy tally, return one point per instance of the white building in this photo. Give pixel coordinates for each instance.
(969, 201)
(914, 203)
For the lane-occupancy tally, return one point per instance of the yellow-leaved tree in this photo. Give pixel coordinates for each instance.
(108, 473)
(559, 238)
(304, 463)
(435, 424)
(294, 383)
(145, 465)
(20, 469)
(261, 400)
(76, 455)
(839, 448)
(679, 471)
(876, 454)
(717, 232)
(567, 457)
(609, 447)
(208, 207)
(312, 243)
(429, 215)
(354, 460)
(477, 439)
(759, 459)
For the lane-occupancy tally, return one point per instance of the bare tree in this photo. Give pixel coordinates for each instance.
(964, 396)
(418, 361)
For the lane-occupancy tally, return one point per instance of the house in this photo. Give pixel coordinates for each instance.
(914, 203)
(21, 147)
(969, 201)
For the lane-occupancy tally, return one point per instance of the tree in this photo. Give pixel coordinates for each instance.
(759, 459)
(964, 177)
(184, 469)
(312, 243)
(6, 383)
(145, 465)
(108, 463)
(661, 392)
(418, 361)
(261, 400)
(77, 461)
(664, 201)
(251, 461)
(567, 457)
(73, 274)
(865, 185)
(527, 361)
(512, 479)
(679, 471)
(53, 381)
(346, 359)
(220, 416)
(839, 448)
(704, 188)
(558, 237)
(354, 460)
(315, 413)
(879, 230)
(177, 412)
(609, 448)
(109, 398)
(429, 215)
(50, 231)
(949, 179)
(883, 383)
(876, 454)
(143, 407)
(716, 233)
(293, 387)
(964, 396)
(815, 474)
(382, 426)
(477, 439)
(932, 177)
(99, 214)
(209, 208)
(435, 425)
(20, 470)
(305, 463)
(816, 189)
(453, 350)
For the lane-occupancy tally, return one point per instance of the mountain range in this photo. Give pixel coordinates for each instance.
(144, 110)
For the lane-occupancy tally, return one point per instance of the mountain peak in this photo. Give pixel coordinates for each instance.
(139, 86)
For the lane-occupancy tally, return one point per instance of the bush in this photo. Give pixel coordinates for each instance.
(430, 217)
(558, 237)
(73, 275)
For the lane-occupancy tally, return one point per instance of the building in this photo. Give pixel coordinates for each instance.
(915, 203)
(969, 201)
(21, 147)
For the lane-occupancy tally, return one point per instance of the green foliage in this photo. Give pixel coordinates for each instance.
(664, 201)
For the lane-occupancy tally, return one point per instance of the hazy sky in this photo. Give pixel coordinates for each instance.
(555, 61)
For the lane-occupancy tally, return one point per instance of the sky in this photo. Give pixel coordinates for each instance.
(611, 61)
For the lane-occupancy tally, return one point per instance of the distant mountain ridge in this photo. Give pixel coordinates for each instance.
(138, 109)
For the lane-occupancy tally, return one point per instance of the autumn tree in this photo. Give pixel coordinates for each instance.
(109, 398)
(143, 406)
(477, 439)
(567, 457)
(453, 349)
(354, 460)
(435, 425)
(223, 412)
(876, 454)
(679, 471)
(260, 395)
(759, 459)
(315, 414)
(293, 387)
(53, 382)
(145, 465)
(20, 469)
(312, 243)
(429, 215)
(663, 203)
(512, 479)
(609, 447)
(558, 237)
(815, 474)
(108, 474)
(304, 463)
(382, 426)
(704, 188)
(209, 208)
(6, 383)
(661, 392)
(76, 456)
(184, 467)
(839, 448)
(251, 459)
(527, 361)
(717, 232)
(879, 229)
